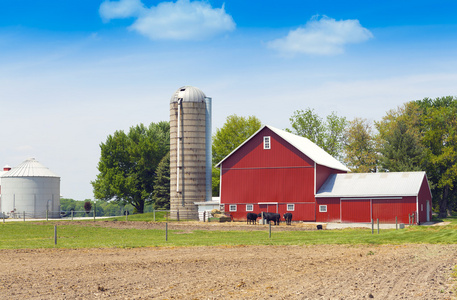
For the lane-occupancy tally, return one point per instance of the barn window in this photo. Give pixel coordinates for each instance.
(266, 142)
(290, 207)
(322, 208)
(232, 207)
(249, 207)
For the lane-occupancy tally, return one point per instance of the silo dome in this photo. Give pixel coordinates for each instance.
(31, 188)
(188, 94)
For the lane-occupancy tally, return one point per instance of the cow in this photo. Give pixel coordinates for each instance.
(251, 217)
(288, 218)
(270, 217)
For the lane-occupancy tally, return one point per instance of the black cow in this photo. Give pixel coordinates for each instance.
(271, 217)
(288, 218)
(251, 217)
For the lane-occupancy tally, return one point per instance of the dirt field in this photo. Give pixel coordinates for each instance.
(254, 272)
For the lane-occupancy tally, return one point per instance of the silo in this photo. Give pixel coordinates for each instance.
(190, 151)
(31, 188)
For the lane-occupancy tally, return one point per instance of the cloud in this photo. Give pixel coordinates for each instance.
(322, 36)
(120, 9)
(180, 20)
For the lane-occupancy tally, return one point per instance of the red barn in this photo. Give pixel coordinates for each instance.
(276, 171)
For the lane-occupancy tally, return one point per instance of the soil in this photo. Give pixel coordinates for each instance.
(419, 271)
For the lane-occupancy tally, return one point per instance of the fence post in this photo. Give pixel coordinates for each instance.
(166, 231)
(396, 223)
(204, 216)
(24, 215)
(3, 216)
(47, 213)
(154, 213)
(372, 226)
(269, 229)
(377, 220)
(177, 215)
(55, 234)
(263, 220)
(72, 212)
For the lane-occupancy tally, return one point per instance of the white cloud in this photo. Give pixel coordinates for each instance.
(322, 36)
(180, 20)
(120, 9)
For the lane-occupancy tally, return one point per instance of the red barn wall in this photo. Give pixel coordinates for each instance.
(333, 210)
(424, 196)
(281, 175)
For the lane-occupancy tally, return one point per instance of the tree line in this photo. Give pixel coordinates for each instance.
(417, 136)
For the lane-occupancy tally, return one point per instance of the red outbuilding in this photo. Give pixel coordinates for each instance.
(277, 171)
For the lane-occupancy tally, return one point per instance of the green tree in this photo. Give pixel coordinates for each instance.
(128, 164)
(440, 139)
(161, 194)
(232, 134)
(400, 150)
(328, 134)
(226, 139)
(360, 154)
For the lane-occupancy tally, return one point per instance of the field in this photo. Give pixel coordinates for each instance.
(244, 263)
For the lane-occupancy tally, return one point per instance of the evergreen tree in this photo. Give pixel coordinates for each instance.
(161, 195)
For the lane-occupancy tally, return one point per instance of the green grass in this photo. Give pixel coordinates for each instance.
(16, 235)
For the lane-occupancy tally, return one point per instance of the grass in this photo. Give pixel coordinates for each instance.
(27, 235)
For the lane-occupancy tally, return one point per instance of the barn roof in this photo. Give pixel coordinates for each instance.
(372, 184)
(304, 145)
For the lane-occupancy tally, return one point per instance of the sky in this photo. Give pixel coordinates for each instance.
(74, 72)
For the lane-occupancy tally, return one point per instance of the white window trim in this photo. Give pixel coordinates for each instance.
(322, 208)
(266, 142)
(249, 205)
(293, 207)
(232, 207)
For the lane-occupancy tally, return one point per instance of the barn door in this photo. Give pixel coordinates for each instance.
(355, 210)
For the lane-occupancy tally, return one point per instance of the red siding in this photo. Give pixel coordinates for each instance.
(356, 211)
(333, 210)
(281, 175)
(281, 154)
(424, 196)
(387, 209)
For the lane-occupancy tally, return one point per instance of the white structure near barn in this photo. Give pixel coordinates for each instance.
(30, 188)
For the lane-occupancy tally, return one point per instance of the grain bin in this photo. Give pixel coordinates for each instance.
(190, 151)
(31, 188)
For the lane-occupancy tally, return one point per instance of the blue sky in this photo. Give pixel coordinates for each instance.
(73, 72)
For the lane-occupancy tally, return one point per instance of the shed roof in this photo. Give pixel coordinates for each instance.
(304, 145)
(29, 168)
(372, 184)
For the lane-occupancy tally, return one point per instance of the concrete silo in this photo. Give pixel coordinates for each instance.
(31, 188)
(190, 151)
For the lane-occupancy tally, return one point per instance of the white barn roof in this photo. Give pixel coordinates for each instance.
(29, 168)
(372, 184)
(304, 145)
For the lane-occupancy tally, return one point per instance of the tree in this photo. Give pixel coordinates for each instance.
(128, 164)
(440, 139)
(161, 194)
(232, 134)
(226, 139)
(360, 154)
(328, 134)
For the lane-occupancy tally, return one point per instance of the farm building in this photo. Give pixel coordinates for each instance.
(276, 171)
(30, 189)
